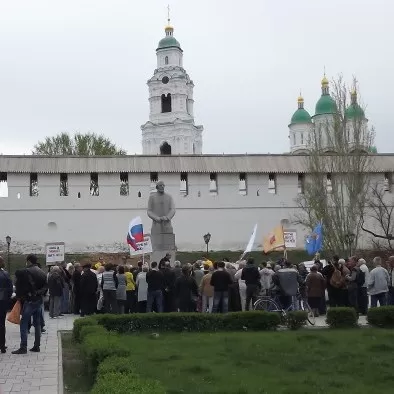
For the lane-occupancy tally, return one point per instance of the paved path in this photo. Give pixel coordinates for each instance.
(33, 373)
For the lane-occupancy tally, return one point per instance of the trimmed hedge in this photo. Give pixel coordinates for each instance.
(97, 347)
(118, 383)
(296, 319)
(381, 317)
(82, 322)
(116, 364)
(88, 330)
(193, 322)
(342, 317)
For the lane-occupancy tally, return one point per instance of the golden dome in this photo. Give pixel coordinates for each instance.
(324, 81)
(300, 99)
(353, 92)
(168, 28)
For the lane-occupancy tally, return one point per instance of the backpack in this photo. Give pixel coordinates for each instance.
(337, 280)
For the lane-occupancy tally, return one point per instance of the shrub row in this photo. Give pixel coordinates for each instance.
(192, 322)
(108, 360)
(296, 319)
(381, 317)
(342, 317)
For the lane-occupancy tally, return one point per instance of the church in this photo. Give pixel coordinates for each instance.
(88, 202)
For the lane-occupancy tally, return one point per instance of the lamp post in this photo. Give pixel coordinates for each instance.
(349, 237)
(8, 240)
(207, 238)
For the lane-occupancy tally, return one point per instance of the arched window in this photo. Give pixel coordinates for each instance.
(165, 148)
(166, 103)
(166, 60)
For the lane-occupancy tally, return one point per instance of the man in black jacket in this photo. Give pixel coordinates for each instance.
(88, 291)
(5, 298)
(30, 293)
(155, 280)
(251, 276)
(220, 280)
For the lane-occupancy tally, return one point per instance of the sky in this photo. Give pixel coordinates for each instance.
(82, 65)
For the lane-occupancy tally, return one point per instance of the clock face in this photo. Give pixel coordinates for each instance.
(165, 80)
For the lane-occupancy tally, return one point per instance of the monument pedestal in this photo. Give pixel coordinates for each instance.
(162, 244)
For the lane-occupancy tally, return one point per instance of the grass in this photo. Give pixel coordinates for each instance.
(75, 378)
(321, 361)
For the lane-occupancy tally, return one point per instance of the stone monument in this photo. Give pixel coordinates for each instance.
(161, 210)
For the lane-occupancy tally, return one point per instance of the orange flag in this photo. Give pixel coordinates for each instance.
(274, 240)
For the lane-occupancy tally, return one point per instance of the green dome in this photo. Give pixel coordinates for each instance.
(354, 111)
(168, 42)
(325, 105)
(300, 116)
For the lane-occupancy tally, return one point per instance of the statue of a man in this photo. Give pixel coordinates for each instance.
(161, 210)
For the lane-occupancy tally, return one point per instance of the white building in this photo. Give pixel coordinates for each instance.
(88, 202)
(171, 128)
(302, 125)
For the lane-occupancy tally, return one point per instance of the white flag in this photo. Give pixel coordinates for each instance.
(250, 244)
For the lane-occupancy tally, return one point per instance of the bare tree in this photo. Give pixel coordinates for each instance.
(381, 211)
(336, 182)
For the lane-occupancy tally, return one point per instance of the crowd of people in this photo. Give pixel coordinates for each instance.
(204, 286)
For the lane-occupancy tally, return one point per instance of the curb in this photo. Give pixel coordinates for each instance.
(60, 387)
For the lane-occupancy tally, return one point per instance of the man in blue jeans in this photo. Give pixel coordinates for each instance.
(155, 281)
(31, 285)
(220, 280)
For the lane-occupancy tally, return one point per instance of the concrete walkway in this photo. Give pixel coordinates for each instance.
(33, 373)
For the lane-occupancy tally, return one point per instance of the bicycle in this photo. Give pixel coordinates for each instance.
(269, 304)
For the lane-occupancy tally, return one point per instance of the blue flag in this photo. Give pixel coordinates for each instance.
(314, 241)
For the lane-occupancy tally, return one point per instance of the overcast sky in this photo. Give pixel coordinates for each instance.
(82, 65)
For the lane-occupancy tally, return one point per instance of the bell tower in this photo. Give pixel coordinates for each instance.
(170, 128)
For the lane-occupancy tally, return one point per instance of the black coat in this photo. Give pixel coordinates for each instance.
(77, 282)
(89, 284)
(186, 292)
(169, 279)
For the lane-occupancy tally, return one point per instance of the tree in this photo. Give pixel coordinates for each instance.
(381, 211)
(336, 184)
(89, 144)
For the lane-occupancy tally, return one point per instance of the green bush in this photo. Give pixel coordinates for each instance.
(90, 330)
(118, 383)
(296, 319)
(97, 347)
(82, 322)
(341, 317)
(381, 317)
(193, 322)
(116, 364)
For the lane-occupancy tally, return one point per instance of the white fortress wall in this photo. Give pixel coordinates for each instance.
(99, 223)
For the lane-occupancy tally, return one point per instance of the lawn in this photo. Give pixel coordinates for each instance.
(318, 361)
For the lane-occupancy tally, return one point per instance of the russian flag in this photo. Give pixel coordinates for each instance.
(135, 233)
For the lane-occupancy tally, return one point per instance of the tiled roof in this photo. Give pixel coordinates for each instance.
(166, 164)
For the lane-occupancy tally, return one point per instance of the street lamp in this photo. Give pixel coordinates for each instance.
(207, 238)
(349, 237)
(8, 240)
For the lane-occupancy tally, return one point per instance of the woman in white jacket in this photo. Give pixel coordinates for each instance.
(142, 286)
